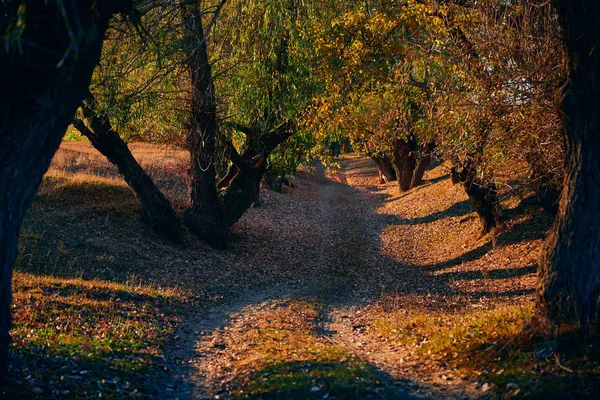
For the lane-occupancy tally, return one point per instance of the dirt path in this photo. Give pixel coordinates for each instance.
(348, 269)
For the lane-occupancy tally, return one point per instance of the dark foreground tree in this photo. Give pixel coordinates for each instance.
(570, 267)
(47, 57)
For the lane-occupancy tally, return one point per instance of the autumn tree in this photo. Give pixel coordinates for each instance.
(376, 59)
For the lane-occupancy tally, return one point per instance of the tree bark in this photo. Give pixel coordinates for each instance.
(403, 159)
(156, 211)
(346, 146)
(43, 79)
(483, 195)
(244, 188)
(423, 164)
(387, 173)
(206, 216)
(569, 270)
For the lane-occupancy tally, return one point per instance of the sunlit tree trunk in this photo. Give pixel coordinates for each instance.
(386, 170)
(44, 76)
(482, 193)
(403, 159)
(422, 164)
(570, 267)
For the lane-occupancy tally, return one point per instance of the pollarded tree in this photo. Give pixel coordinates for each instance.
(263, 63)
(47, 57)
(570, 267)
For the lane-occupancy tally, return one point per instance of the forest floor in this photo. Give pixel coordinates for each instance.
(339, 287)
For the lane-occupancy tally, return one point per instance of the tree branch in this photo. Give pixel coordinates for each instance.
(277, 135)
(82, 127)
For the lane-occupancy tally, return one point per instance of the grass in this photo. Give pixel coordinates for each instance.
(83, 329)
(279, 352)
(82, 338)
(497, 347)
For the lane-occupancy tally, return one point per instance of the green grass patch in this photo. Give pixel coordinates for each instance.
(78, 338)
(283, 354)
(316, 380)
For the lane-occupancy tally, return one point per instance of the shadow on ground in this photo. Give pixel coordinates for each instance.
(320, 240)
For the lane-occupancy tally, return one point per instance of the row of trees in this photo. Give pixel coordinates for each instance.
(255, 87)
(474, 82)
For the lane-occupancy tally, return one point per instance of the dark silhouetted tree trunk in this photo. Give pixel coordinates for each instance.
(570, 266)
(244, 188)
(42, 84)
(403, 159)
(387, 173)
(206, 217)
(423, 164)
(346, 146)
(483, 195)
(156, 211)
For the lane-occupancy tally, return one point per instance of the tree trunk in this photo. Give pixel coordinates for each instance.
(423, 164)
(569, 288)
(43, 80)
(385, 168)
(483, 195)
(403, 159)
(244, 188)
(243, 191)
(206, 216)
(156, 211)
(346, 146)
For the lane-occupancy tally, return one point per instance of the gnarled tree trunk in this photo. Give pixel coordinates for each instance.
(569, 288)
(156, 211)
(483, 195)
(241, 185)
(42, 82)
(403, 159)
(386, 170)
(423, 164)
(206, 216)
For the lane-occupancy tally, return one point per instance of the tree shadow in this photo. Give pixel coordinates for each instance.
(455, 210)
(425, 184)
(505, 273)
(324, 245)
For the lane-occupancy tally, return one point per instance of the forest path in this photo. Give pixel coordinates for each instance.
(302, 340)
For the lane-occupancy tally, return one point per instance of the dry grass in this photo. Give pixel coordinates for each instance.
(402, 290)
(166, 166)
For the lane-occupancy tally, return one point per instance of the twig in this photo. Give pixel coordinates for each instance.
(569, 370)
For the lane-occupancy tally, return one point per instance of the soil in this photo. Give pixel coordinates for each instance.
(338, 238)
